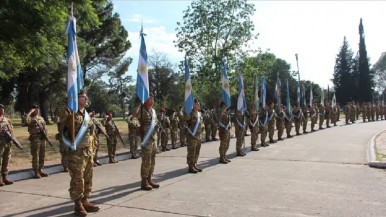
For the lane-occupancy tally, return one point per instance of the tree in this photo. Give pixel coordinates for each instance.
(365, 75)
(379, 69)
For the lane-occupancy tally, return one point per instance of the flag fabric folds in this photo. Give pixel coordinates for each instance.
(263, 92)
(74, 72)
(142, 87)
(278, 91)
(333, 101)
(304, 101)
(241, 104)
(311, 97)
(256, 99)
(288, 98)
(298, 94)
(189, 99)
(225, 93)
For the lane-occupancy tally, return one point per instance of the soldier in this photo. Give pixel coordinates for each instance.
(280, 122)
(148, 121)
(297, 119)
(62, 148)
(36, 126)
(240, 132)
(288, 121)
(327, 115)
(253, 127)
(80, 160)
(347, 112)
(338, 114)
(368, 111)
(271, 122)
(96, 142)
(305, 118)
(322, 115)
(164, 125)
(194, 121)
(376, 112)
(313, 116)
(263, 124)
(111, 131)
(364, 111)
(214, 124)
(134, 137)
(5, 147)
(353, 112)
(357, 110)
(174, 122)
(207, 123)
(224, 134)
(334, 115)
(182, 127)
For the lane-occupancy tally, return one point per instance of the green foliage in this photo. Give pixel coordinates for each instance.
(380, 74)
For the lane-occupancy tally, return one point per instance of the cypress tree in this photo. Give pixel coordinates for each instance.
(365, 76)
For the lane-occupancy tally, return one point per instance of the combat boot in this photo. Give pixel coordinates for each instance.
(6, 180)
(1, 183)
(272, 141)
(134, 156)
(153, 185)
(89, 207)
(225, 157)
(42, 174)
(197, 168)
(79, 209)
(239, 153)
(145, 185)
(192, 169)
(253, 148)
(222, 160)
(111, 160)
(37, 174)
(174, 146)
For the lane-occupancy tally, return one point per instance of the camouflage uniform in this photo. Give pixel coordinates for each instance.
(112, 142)
(38, 143)
(327, 112)
(96, 142)
(288, 122)
(353, 113)
(194, 142)
(263, 125)
(207, 123)
(305, 118)
(280, 122)
(254, 128)
(239, 123)
(297, 119)
(182, 127)
(322, 115)
(334, 115)
(134, 138)
(271, 123)
(347, 113)
(224, 134)
(214, 124)
(357, 111)
(364, 111)
(165, 123)
(174, 122)
(313, 117)
(62, 148)
(5, 150)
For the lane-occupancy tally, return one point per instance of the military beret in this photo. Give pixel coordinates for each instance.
(163, 110)
(91, 114)
(173, 110)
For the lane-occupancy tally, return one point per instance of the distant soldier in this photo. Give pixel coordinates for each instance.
(288, 121)
(111, 131)
(297, 119)
(334, 115)
(207, 123)
(322, 115)
(63, 149)
(313, 116)
(96, 142)
(364, 111)
(347, 112)
(305, 118)
(369, 108)
(164, 125)
(338, 115)
(224, 134)
(263, 124)
(271, 122)
(328, 110)
(5, 147)
(174, 122)
(357, 110)
(353, 112)
(376, 112)
(253, 127)
(182, 127)
(134, 137)
(36, 126)
(239, 123)
(280, 122)
(214, 124)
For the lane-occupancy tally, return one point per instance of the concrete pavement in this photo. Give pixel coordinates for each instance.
(323, 173)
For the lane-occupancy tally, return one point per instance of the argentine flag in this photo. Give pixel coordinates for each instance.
(225, 93)
(311, 97)
(189, 99)
(288, 99)
(241, 104)
(74, 72)
(256, 93)
(142, 87)
(263, 91)
(298, 94)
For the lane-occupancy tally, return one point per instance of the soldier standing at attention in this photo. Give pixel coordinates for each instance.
(240, 132)
(207, 124)
(280, 122)
(297, 119)
(214, 124)
(112, 133)
(347, 112)
(253, 127)
(328, 110)
(224, 134)
(322, 115)
(174, 122)
(164, 123)
(368, 111)
(353, 112)
(63, 149)
(147, 117)
(80, 160)
(271, 122)
(5, 147)
(288, 121)
(194, 120)
(263, 124)
(334, 115)
(313, 116)
(305, 118)
(182, 126)
(36, 125)
(364, 111)
(134, 138)
(96, 142)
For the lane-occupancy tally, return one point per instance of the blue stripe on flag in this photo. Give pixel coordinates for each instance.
(189, 99)
(225, 93)
(142, 87)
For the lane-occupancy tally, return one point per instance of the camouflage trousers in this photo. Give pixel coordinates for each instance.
(225, 138)
(271, 131)
(297, 126)
(288, 128)
(254, 135)
(304, 121)
(263, 134)
(80, 167)
(95, 148)
(328, 119)
(148, 154)
(182, 136)
(134, 141)
(240, 134)
(194, 147)
(63, 153)
(321, 120)
(173, 135)
(333, 119)
(112, 145)
(313, 122)
(214, 127)
(164, 139)
(280, 128)
(38, 151)
(5, 157)
(352, 117)
(208, 131)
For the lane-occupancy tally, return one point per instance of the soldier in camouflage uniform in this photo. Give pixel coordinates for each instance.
(364, 111)
(263, 124)
(63, 150)
(280, 122)
(271, 122)
(224, 134)
(297, 119)
(253, 127)
(182, 127)
(5, 147)
(305, 118)
(376, 112)
(164, 124)
(353, 112)
(369, 108)
(36, 125)
(313, 116)
(96, 142)
(148, 123)
(194, 121)
(174, 122)
(111, 131)
(327, 115)
(334, 115)
(322, 115)
(134, 137)
(288, 121)
(214, 124)
(80, 160)
(338, 114)
(239, 124)
(347, 112)
(357, 110)
(207, 123)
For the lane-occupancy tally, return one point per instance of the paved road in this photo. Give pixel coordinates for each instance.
(319, 174)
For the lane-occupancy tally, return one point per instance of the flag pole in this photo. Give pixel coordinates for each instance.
(72, 125)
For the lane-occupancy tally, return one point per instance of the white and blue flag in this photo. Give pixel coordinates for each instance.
(189, 99)
(241, 104)
(263, 91)
(225, 93)
(256, 99)
(142, 87)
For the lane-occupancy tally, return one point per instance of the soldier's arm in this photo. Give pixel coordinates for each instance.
(28, 118)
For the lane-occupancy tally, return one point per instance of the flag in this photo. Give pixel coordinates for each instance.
(311, 97)
(142, 87)
(263, 91)
(333, 101)
(225, 93)
(322, 98)
(74, 71)
(288, 99)
(189, 99)
(277, 90)
(241, 104)
(304, 101)
(256, 93)
(298, 94)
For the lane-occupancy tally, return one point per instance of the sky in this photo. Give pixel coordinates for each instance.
(312, 29)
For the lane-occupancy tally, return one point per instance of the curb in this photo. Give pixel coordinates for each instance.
(371, 154)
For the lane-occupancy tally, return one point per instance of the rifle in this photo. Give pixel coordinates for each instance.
(9, 136)
(101, 130)
(43, 132)
(118, 133)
